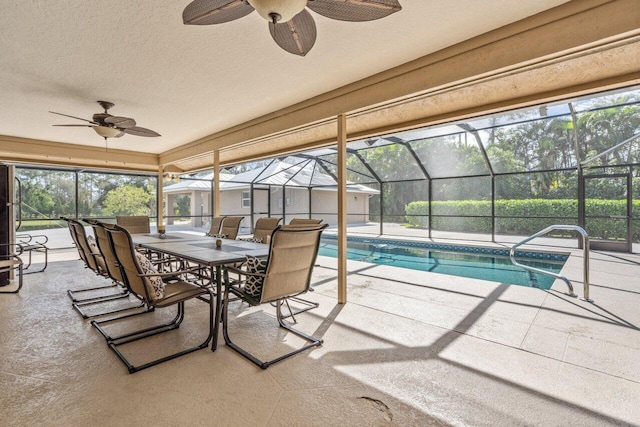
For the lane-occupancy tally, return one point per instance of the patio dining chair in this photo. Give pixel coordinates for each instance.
(216, 223)
(94, 260)
(113, 271)
(137, 224)
(145, 282)
(285, 273)
(230, 227)
(263, 229)
(78, 235)
(10, 261)
(307, 305)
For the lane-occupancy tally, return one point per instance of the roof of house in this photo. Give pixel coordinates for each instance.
(304, 174)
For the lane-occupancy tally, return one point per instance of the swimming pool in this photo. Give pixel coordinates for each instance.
(473, 262)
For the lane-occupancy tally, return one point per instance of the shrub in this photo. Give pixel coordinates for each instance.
(520, 217)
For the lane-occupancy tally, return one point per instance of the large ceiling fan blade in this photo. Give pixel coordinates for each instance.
(73, 117)
(138, 131)
(76, 126)
(297, 35)
(207, 12)
(120, 122)
(355, 10)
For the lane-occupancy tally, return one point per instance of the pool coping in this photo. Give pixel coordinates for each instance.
(457, 247)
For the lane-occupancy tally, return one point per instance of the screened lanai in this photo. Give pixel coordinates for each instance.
(497, 177)
(461, 127)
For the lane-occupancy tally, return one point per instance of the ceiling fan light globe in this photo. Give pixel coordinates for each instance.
(106, 132)
(286, 9)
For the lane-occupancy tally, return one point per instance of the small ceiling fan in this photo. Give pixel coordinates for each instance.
(291, 26)
(108, 126)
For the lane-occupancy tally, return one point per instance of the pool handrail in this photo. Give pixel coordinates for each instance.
(585, 246)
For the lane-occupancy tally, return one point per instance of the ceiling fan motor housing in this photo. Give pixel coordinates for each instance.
(99, 117)
(278, 10)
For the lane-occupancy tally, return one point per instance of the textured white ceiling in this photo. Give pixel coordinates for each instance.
(187, 82)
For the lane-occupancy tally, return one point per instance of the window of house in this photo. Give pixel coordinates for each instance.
(246, 199)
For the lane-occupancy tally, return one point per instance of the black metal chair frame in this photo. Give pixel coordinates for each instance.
(116, 341)
(233, 288)
(310, 305)
(34, 243)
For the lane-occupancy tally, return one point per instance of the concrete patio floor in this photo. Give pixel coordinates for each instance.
(409, 348)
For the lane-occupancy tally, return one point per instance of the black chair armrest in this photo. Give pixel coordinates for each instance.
(243, 272)
(32, 239)
(170, 273)
(40, 238)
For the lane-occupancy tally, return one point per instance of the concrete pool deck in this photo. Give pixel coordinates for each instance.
(409, 348)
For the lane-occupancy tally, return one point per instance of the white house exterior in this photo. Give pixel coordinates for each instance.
(279, 189)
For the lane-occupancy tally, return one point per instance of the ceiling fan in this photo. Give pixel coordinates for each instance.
(291, 26)
(108, 126)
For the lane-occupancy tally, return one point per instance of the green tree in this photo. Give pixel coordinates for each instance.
(127, 200)
(393, 164)
(59, 187)
(94, 186)
(36, 201)
(604, 128)
(183, 205)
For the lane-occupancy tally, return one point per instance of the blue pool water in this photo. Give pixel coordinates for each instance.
(477, 263)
